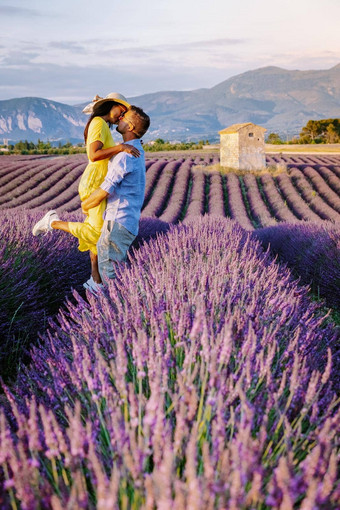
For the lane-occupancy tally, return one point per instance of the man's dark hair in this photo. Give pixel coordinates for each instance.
(143, 118)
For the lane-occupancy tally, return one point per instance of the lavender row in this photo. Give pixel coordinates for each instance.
(331, 178)
(31, 178)
(204, 384)
(36, 193)
(312, 251)
(276, 203)
(309, 195)
(302, 159)
(237, 207)
(26, 169)
(14, 158)
(336, 170)
(149, 162)
(216, 195)
(52, 197)
(273, 159)
(161, 193)
(61, 195)
(196, 199)
(16, 167)
(294, 200)
(321, 187)
(71, 204)
(152, 176)
(179, 193)
(12, 169)
(257, 205)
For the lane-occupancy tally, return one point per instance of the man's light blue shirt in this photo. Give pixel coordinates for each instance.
(125, 183)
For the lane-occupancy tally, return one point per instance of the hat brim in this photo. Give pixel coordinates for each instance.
(112, 100)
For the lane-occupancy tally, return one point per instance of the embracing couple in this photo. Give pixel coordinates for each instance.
(111, 188)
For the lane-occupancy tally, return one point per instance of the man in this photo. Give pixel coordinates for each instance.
(124, 188)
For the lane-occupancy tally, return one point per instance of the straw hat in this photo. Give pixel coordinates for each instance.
(97, 101)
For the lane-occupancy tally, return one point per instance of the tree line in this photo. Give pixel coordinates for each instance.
(41, 147)
(26, 147)
(315, 131)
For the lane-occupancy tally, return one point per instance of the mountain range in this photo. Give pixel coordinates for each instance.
(280, 100)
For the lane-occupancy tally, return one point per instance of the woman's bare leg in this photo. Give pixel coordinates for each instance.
(60, 225)
(63, 225)
(94, 268)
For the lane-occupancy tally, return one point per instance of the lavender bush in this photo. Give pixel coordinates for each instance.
(44, 195)
(149, 228)
(38, 179)
(195, 205)
(321, 186)
(36, 275)
(312, 198)
(237, 206)
(297, 204)
(257, 205)
(216, 195)
(312, 251)
(178, 195)
(152, 175)
(203, 379)
(273, 197)
(331, 178)
(10, 169)
(336, 168)
(162, 193)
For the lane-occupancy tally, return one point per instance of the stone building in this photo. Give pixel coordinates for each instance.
(242, 147)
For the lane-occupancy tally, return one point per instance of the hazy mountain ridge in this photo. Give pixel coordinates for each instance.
(33, 118)
(278, 99)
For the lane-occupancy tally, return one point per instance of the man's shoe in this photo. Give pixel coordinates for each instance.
(44, 225)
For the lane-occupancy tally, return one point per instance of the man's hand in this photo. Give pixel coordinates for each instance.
(94, 199)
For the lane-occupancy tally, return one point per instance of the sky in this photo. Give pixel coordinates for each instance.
(71, 50)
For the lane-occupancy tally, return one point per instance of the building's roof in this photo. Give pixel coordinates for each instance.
(235, 128)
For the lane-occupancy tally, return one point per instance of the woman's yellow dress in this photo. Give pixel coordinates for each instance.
(94, 174)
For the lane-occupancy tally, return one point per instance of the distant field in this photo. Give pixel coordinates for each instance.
(308, 148)
(269, 148)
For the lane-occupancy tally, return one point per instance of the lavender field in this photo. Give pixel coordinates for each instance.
(179, 189)
(206, 376)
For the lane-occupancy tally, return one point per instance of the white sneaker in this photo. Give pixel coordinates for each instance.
(92, 286)
(44, 225)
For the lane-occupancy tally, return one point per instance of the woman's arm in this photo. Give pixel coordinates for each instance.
(96, 153)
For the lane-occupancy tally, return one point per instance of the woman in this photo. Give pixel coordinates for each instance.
(100, 148)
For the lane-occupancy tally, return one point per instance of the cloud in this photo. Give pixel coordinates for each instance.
(18, 58)
(211, 53)
(9, 10)
(71, 85)
(73, 71)
(71, 46)
(121, 52)
(304, 60)
(215, 42)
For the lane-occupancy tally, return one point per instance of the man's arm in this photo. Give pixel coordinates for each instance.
(116, 171)
(94, 199)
